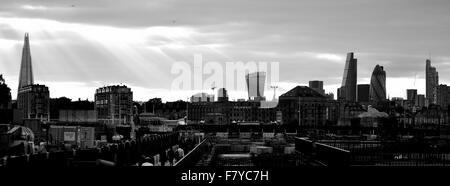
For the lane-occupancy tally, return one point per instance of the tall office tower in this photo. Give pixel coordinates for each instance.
(378, 84)
(114, 104)
(431, 82)
(222, 95)
(26, 69)
(255, 85)
(411, 95)
(317, 86)
(363, 93)
(348, 88)
(32, 100)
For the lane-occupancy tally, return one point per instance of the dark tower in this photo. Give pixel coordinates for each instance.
(378, 84)
(348, 88)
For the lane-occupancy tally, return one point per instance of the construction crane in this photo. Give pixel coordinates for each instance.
(212, 88)
(274, 91)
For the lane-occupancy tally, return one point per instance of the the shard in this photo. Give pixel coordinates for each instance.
(26, 69)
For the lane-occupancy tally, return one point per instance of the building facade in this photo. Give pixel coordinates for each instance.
(443, 95)
(222, 95)
(317, 86)
(34, 102)
(228, 112)
(114, 105)
(303, 106)
(363, 93)
(202, 97)
(420, 100)
(411, 95)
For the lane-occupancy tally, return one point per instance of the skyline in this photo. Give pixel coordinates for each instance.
(64, 43)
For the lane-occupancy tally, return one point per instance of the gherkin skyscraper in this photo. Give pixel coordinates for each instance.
(378, 84)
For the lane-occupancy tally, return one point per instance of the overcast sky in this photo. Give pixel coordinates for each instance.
(80, 45)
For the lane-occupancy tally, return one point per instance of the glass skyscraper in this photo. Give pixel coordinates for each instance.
(348, 88)
(378, 84)
(431, 82)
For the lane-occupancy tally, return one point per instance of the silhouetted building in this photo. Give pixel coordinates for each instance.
(255, 85)
(222, 95)
(224, 113)
(63, 103)
(411, 95)
(348, 88)
(317, 86)
(420, 100)
(330, 96)
(443, 95)
(5, 94)
(5, 102)
(303, 106)
(202, 97)
(431, 82)
(169, 110)
(33, 101)
(363, 93)
(347, 111)
(114, 104)
(378, 84)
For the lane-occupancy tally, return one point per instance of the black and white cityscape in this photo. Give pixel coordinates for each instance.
(224, 83)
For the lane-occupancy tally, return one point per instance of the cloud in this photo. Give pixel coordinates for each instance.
(331, 57)
(31, 7)
(137, 41)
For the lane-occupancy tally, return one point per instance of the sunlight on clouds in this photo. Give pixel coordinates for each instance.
(110, 35)
(31, 7)
(331, 57)
(128, 48)
(6, 44)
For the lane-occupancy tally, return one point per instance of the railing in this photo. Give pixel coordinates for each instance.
(393, 153)
(195, 154)
(321, 154)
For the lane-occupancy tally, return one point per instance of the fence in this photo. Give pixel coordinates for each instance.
(321, 154)
(195, 154)
(393, 153)
(122, 154)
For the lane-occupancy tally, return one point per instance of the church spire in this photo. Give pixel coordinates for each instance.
(26, 70)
